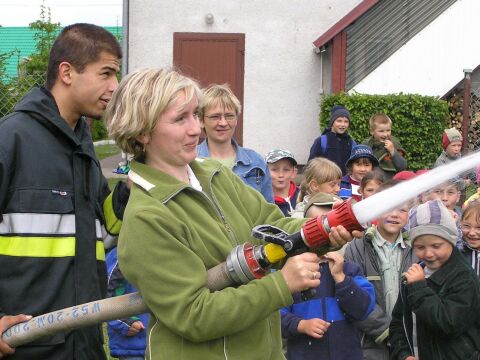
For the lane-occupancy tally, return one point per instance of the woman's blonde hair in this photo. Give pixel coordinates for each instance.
(219, 95)
(141, 98)
(322, 171)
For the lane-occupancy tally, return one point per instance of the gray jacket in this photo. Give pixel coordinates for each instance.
(444, 159)
(375, 327)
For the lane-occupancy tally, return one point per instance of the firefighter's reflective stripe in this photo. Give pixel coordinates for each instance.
(112, 223)
(28, 223)
(100, 251)
(42, 224)
(43, 246)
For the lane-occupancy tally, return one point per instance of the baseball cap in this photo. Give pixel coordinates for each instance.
(277, 154)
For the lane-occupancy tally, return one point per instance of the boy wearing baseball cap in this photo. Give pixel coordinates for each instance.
(438, 308)
(283, 169)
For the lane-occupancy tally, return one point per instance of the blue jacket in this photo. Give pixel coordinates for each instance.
(288, 205)
(121, 344)
(250, 166)
(334, 147)
(340, 304)
(345, 191)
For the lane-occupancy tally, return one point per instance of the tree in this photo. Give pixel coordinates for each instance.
(45, 34)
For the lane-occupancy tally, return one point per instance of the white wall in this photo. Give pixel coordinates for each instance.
(433, 61)
(282, 73)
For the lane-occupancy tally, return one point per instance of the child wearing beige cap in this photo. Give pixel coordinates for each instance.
(452, 141)
(437, 310)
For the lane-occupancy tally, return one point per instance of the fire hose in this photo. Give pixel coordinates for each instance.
(247, 262)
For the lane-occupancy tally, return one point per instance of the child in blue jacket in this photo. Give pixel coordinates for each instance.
(322, 327)
(127, 337)
(335, 143)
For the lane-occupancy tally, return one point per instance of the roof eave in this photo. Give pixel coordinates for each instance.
(353, 15)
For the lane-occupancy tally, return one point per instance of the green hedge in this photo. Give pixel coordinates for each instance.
(99, 131)
(418, 121)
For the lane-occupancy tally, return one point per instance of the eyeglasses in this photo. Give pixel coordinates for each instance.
(217, 117)
(467, 227)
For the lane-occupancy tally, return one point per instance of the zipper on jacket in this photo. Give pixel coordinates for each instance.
(214, 201)
(405, 308)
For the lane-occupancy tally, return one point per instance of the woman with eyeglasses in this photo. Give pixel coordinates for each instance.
(219, 113)
(184, 216)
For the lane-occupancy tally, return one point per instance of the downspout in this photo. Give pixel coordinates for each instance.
(125, 21)
(467, 86)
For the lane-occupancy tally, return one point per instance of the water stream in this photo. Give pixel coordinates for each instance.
(389, 199)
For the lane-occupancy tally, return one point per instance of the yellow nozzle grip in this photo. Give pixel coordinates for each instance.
(274, 253)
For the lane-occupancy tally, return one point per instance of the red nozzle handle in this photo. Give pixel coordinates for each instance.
(316, 230)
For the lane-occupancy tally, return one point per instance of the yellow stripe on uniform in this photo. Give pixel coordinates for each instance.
(43, 247)
(112, 223)
(100, 250)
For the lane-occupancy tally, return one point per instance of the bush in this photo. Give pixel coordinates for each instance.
(99, 131)
(418, 121)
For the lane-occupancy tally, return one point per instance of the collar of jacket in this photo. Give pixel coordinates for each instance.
(370, 233)
(376, 144)
(40, 104)
(164, 186)
(291, 193)
(448, 156)
(240, 154)
(329, 131)
(449, 268)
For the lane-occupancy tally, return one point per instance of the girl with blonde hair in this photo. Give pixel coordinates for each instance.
(320, 175)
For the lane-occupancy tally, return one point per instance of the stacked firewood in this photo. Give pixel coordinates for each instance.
(455, 109)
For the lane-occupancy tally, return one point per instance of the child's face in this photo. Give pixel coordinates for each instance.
(382, 132)
(393, 222)
(448, 194)
(360, 168)
(330, 187)
(282, 173)
(471, 231)
(340, 125)
(432, 249)
(370, 188)
(454, 148)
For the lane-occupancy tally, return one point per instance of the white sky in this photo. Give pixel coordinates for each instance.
(99, 12)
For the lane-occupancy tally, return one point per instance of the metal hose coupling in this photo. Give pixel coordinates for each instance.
(315, 231)
(246, 262)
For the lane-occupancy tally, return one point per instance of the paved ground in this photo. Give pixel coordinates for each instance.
(109, 164)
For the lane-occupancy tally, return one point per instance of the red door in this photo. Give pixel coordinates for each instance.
(213, 58)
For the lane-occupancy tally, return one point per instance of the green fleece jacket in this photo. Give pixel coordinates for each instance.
(171, 235)
(389, 164)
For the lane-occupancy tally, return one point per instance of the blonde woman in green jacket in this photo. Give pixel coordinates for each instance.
(184, 216)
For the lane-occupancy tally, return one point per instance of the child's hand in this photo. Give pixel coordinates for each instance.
(315, 327)
(135, 328)
(414, 274)
(389, 146)
(411, 358)
(335, 263)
